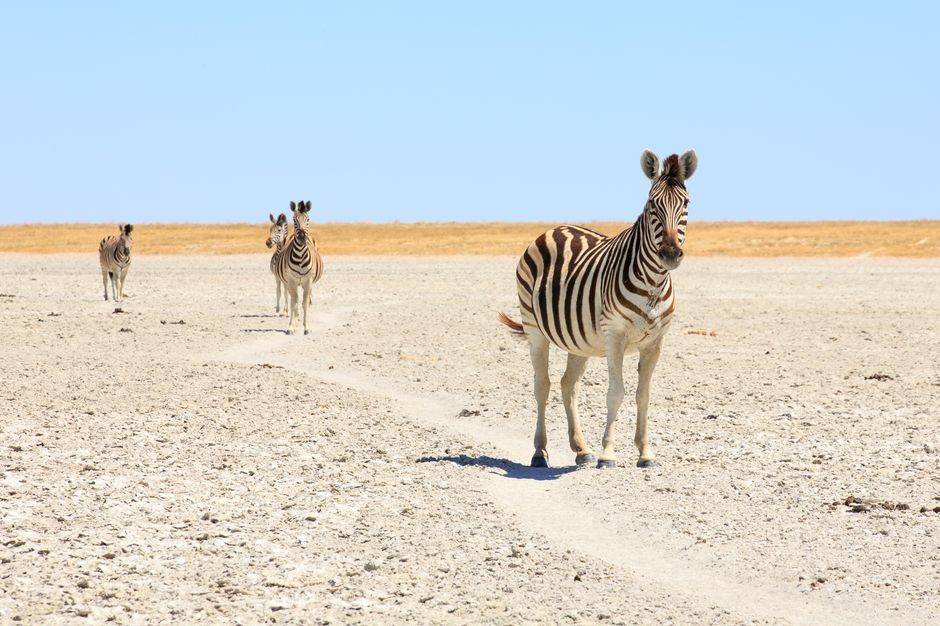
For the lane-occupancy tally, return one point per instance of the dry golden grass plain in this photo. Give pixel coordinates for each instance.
(757, 239)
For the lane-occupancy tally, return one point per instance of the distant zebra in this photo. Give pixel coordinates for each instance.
(277, 235)
(114, 255)
(299, 264)
(593, 295)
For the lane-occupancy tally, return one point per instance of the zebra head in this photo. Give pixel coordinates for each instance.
(124, 239)
(277, 232)
(667, 208)
(301, 219)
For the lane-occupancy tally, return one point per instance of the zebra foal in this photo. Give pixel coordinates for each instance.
(114, 256)
(299, 263)
(594, 295)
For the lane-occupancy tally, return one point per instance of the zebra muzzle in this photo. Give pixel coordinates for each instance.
(670, 256)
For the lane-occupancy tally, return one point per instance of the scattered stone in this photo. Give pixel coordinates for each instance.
(371, 566)
(118, 310)
(864, 505)
(125, 330)
(82, 584)
(467, 413)
(701, 331)
(879, 376)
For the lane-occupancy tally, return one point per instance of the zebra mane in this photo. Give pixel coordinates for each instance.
(672, 172)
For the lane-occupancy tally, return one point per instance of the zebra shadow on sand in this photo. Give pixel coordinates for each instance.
(510, 469)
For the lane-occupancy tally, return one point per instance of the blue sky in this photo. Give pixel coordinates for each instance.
(407, 111)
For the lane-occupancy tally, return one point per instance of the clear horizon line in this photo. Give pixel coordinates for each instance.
(445, 222)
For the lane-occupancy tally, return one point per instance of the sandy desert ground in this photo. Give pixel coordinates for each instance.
(185, 461)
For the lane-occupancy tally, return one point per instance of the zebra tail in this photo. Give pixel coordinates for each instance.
(514, 326)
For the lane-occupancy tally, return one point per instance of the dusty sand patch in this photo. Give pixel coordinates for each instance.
(219, 470)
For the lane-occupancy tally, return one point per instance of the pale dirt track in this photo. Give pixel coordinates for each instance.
(220, 471)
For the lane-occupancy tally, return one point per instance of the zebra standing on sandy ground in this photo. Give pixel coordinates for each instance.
(299, 264)
(277, 235)
(593, 295)
(114, 255)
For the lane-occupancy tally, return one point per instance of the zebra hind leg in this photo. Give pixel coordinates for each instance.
(104, 280)
(277, 301)
(570, 384)
(538, 351)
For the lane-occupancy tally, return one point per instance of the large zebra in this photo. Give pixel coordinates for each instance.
(299, 263)
(114, 256)
(277, 235)
(593, 295)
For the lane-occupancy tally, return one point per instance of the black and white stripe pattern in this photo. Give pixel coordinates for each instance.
(594, 295)
(114, 256)
(299, 264)
(277, 235)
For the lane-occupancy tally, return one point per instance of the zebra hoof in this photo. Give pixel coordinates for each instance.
(644, 463)
(606, 464)
(584, 459)
(539, 461)
(306, 332)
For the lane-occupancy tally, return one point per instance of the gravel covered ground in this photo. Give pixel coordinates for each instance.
(186, 461)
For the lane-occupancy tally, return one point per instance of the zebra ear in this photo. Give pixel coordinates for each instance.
(307, 207)
(271, 217)
(121, 228)
(688, 162)
(281, 219)
(128, 228)
(293, 206)
(649, 163)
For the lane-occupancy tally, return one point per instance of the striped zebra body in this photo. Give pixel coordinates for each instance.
(594, 295)
(576, 285)
(114, 257)
(299, 263)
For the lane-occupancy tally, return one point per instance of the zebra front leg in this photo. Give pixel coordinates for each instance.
(307, 297)
(615, 349)
(121, 278)
(277, 301)
(114, 288)
(538, 351)
(104, 280)
(292, 292)
(570, 383)
(648, 359)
